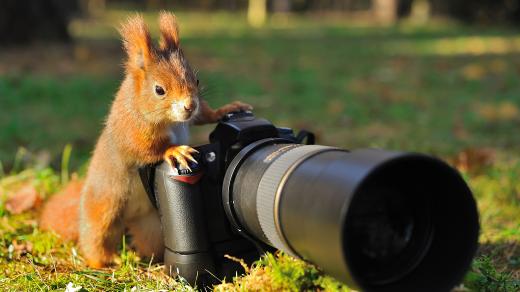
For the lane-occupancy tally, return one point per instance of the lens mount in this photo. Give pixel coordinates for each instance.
(229, 178)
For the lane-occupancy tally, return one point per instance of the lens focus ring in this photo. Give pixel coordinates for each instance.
(270, 187)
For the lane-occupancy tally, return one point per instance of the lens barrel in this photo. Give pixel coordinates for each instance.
(374, 219)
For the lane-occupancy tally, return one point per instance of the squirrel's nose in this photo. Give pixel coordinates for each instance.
(188, 108)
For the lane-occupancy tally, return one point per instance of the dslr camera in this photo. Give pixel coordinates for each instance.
(376, 220)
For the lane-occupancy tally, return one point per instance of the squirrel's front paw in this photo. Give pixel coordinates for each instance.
(232, 107)
(180, 154)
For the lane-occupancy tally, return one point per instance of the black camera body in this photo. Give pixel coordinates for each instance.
(377, 220)
(197, 231)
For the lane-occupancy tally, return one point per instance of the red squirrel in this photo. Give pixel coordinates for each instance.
(148, 122)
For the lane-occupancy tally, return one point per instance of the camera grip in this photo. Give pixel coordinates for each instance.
(184, 228)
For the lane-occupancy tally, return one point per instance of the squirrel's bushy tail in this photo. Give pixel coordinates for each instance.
(61, 212)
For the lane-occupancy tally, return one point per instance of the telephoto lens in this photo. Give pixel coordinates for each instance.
(374, 219)
(377, 220)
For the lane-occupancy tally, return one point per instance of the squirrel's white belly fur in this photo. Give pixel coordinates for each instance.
(138, 203)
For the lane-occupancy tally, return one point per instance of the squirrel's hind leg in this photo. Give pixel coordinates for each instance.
(101, 229)
(147, 236)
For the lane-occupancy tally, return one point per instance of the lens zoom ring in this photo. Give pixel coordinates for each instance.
(271, 184)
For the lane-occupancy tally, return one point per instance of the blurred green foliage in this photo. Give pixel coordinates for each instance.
(436, 89)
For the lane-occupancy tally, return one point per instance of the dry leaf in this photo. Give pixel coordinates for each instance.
(23, 200)
(474, 159)
(22, 248)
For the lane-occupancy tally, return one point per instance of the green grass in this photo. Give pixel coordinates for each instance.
(439, 89)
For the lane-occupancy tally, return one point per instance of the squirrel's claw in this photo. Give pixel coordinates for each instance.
(187, 155)
(178, 155)
(232, 107)
(238, 105)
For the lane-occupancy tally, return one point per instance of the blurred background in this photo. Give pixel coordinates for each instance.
(436, 76)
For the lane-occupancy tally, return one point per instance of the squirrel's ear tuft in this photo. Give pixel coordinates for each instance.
(137, 42)
(169, 31)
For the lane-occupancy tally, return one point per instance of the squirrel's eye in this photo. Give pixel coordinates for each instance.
(159, 90)
(197, 82)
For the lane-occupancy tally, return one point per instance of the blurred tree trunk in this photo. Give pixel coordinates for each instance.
(385, 11)
(421, 11)
(23, 21)
(257, 12)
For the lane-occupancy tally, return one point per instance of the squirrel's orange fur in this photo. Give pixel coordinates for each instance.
(61, 211)
(137, 132)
